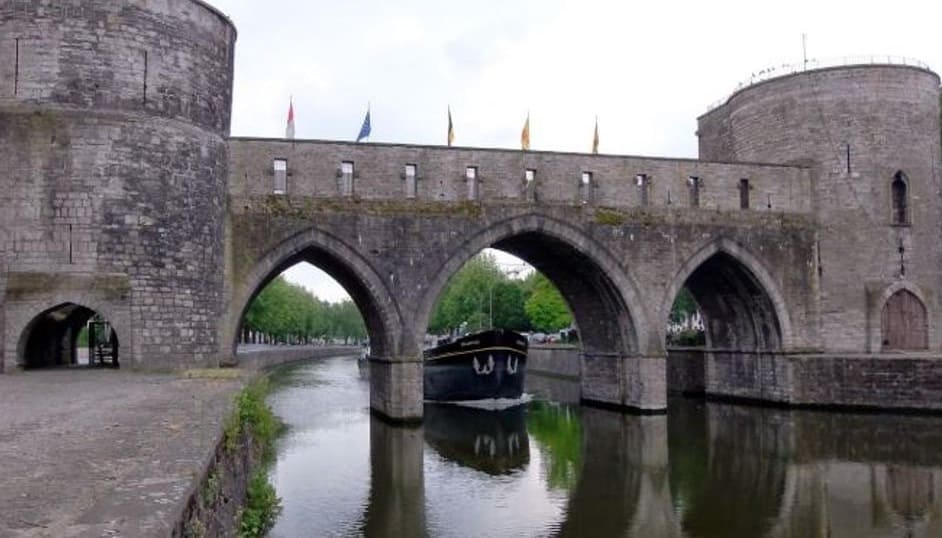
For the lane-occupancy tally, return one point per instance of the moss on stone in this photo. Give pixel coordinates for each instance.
(609, 217)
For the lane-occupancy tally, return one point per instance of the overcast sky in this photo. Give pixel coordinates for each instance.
(646, 69)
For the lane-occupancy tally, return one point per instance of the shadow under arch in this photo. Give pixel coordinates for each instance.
(345, 265)
(604, 301)
(740, 301)
(49, 339)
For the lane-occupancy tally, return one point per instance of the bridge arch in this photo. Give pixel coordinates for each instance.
(604, 300)
(345, 265)
(730, 283)
(49, 337)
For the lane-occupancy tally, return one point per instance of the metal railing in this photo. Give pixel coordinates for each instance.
(815, 63)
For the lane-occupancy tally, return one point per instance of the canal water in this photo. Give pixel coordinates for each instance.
(554, 468)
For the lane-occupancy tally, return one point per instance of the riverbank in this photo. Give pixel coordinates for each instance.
(89, 452)
(94, 452)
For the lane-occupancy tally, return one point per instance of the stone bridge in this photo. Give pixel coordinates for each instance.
(618, 251)
(808, 230)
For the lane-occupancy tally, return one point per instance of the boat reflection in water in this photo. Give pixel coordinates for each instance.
(492, 441)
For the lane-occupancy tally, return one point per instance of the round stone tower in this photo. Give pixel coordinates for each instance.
(113, 166)
(871, 136)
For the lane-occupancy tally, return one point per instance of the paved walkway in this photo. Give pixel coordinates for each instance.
(103, 452)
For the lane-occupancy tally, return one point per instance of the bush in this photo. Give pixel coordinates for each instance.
(262, 506)
(254, 417)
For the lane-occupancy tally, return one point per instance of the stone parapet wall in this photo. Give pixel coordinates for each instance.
(314, 171)
(259, 359)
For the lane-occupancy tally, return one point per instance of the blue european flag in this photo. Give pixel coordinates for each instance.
(365, 130)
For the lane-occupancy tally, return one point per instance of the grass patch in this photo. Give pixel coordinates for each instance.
(253, 417)
(211, 373)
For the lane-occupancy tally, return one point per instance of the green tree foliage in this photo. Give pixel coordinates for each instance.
(480, 293)
(684, 306)
(477, 294)
(288, 313)
(546, 308)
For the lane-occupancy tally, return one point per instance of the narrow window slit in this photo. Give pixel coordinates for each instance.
(144, 100)
(16, 69)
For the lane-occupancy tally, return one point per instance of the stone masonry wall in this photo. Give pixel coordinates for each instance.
(112, 118)
(887, 117)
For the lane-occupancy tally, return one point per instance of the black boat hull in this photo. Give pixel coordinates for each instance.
(488, 365)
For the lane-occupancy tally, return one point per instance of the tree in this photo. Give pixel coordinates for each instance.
(468, 297)
(684, 306)
(288, 313)
(546, 308)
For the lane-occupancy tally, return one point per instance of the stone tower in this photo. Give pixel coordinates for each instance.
(113, 164)
(870, 136)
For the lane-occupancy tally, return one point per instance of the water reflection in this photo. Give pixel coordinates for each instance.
(397, 487)
(494, 442)
(557, 469)
(557, 430)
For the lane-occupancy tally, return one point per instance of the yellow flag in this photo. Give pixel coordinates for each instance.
(595, 139)
(525, 135)
(451, 129)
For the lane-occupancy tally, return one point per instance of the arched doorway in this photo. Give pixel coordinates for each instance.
(69, 334)
(903, 321)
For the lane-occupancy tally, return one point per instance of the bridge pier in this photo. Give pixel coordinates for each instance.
(638, 383)
(396, 388)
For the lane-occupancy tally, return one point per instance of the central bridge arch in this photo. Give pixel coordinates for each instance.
(604, 300)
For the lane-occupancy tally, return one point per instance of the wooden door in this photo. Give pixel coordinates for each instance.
(904, 322)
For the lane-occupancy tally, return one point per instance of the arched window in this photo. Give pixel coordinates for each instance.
(904, 322)
(900, 196)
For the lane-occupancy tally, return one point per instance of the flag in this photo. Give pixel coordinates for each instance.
(366, 128)
(525, 135)
(451, 128)
(289, 129)
(595, 138)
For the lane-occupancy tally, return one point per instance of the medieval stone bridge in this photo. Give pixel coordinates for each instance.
(808, 231)
(618, 254)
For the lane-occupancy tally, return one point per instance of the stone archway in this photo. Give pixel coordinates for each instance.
(602, 296)
(746, 324)
(50, 338)
(765, 322)
(395, 379)
(351, 270)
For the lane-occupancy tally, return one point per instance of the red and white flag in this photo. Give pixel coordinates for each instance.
(289, 130)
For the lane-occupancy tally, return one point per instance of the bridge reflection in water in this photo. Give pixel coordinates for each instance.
(556, 469)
